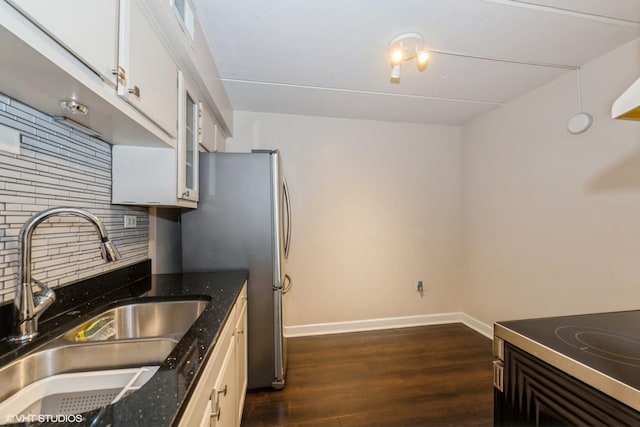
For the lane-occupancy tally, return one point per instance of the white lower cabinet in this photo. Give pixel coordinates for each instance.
(224, 393)
(241, 355)
(218, 397)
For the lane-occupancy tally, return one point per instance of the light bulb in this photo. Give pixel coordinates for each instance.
(395, 74)
(396, 56)
(422, 59)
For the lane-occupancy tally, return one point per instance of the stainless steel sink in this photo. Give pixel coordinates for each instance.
(138, 335)
(168, 319)
(82, 357)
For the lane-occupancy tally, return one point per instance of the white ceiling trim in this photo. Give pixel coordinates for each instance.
(560, 11)
(505, 60)
(367, 92)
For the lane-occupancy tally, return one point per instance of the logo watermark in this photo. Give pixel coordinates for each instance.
(43, 418)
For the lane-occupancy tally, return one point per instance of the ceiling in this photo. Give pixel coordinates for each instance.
(329, 57)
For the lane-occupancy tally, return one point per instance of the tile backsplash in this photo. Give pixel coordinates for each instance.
(58, 166)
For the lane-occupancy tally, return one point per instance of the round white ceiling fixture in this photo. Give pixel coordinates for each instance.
(579, 123)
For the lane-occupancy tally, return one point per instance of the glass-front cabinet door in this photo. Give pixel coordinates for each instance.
(189, 134)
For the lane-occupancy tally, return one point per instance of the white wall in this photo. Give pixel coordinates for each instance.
(376, 207)
(551, 221)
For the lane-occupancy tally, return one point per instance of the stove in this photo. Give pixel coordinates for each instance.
(602, 350)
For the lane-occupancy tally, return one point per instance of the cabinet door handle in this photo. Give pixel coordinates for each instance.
(216, 414)
(185, 194)
(135, 91)
(120, 74)
(223, 391)
(498, 375)
(216, 397)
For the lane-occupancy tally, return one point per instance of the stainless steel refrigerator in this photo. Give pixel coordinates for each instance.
(243, 221)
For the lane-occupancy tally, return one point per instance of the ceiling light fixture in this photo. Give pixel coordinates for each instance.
(409, 46)
(406, 47)
(581, 121)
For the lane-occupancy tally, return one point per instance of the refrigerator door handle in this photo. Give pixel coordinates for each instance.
(287, 284)
(287, 206)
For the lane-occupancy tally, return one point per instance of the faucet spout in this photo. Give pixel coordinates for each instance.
(28, 307)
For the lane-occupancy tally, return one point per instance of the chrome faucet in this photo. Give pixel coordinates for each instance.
(27, 305)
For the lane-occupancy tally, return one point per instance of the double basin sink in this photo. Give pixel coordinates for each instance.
(117, 349)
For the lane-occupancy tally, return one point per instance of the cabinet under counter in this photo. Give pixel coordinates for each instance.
(164, 398)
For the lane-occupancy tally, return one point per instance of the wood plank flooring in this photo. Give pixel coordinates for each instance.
(424, 376)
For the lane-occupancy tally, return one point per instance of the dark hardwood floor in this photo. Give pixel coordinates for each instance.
(424, 376)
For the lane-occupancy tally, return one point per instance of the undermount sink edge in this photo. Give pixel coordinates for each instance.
(82, 357)
(145, 318)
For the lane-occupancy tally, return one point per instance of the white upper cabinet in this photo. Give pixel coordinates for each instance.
(119, 58)
(158, 176)
(184, 12)
(190, 48)
(212, 139)
(87, 29)
(147, 73)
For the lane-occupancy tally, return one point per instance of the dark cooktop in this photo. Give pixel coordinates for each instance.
(606, 342)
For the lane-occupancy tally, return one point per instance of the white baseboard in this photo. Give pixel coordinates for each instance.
(476, 325)
(388, 323)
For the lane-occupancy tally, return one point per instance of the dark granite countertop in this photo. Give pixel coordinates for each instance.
(162, 399)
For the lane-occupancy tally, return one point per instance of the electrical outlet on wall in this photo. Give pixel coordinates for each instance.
(130, 221)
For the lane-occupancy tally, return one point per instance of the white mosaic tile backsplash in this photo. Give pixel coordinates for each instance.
(58, 166)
